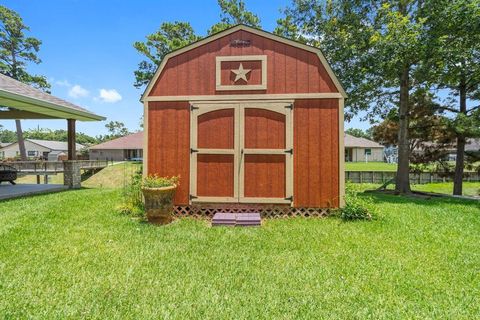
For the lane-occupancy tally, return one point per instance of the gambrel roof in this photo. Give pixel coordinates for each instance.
(255, 31)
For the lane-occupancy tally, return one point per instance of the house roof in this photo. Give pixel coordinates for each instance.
(32, 103)
(55, 145)
(132, 141)
(351, 141)
(258, 32)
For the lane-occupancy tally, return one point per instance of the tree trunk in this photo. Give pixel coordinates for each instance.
(18, 124)
(402, 181)
(460, 160)
(21, 142)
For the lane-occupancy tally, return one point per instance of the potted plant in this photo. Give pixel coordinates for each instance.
(158, 193)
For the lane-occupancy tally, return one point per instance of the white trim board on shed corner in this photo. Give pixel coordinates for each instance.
(258, 32)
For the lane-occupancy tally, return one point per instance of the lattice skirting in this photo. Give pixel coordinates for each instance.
(266, 211)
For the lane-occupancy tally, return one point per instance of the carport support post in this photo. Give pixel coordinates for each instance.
(71, 167)
(72, 155)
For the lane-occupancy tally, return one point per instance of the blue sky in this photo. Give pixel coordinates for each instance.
(87, 52)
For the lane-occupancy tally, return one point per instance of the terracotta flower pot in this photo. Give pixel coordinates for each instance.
(159, 204)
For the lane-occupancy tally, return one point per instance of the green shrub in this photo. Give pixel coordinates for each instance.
(155, 181)
(356, 208)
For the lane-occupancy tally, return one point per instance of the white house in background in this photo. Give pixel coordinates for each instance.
(38, 149)
(362, 150)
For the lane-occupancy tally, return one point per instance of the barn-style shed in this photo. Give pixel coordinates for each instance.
(247, 117)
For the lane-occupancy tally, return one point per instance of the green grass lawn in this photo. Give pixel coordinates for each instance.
(469, 188)
(69, 255)
(370, 166)
(112, 176)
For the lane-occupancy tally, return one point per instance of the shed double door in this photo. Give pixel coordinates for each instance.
(241, 152)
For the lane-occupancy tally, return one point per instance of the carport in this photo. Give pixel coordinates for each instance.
(21, 101)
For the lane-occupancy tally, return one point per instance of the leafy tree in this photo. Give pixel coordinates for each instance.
(455, 34)
(170, 36)
(7, 136)
(16, 50)
(58, 135)
(46, 134)
(342, 30)
(286, 27)
(430, 139)
(175, 35)
(359, 133)
(116, 129)
(376, 48)
(234, 12)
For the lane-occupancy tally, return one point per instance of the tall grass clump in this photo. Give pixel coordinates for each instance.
(132, 191)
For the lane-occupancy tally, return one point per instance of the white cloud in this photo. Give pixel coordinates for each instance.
(63, 83)
(109, 95)
(77, 92)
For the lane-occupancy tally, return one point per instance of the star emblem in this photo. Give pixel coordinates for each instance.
(241, 73)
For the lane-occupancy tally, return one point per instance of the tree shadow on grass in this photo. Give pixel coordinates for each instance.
(383, 197)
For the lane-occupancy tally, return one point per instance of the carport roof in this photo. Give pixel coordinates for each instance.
(26, 102)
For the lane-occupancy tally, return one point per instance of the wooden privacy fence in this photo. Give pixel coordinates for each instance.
(415, 177)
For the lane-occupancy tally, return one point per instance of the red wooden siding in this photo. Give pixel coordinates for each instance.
(216, 129)
(265, 175)
(215, 175)
(264, 129)
(316, 162)
(289, 69)
(169, 143)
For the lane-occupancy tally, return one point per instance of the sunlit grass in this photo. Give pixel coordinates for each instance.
(469, 188)
(370, 166)
(69, 255)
